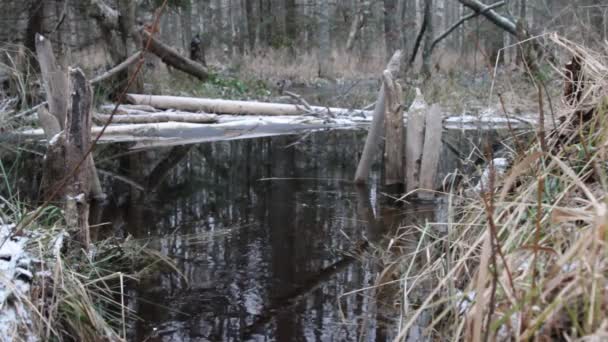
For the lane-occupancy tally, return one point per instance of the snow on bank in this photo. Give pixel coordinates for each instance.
(15, 280)
(230, 127)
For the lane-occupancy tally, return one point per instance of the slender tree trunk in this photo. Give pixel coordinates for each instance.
(291, 23)
(131, 39)
(324, 40)
(391, 29)
(428, 42)
(251, 23)
(34, 26)
(187, 24)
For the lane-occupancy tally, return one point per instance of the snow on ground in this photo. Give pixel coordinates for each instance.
(15, 280)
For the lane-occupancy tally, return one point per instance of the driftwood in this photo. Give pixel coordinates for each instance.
(157, 117)
(414, 141)
(430, 153)
(375, 131)
(192, 104)
(117, 69)
(394, 144)
(171, 57)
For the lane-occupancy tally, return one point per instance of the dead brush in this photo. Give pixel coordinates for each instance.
(280, 64)
(527, 259)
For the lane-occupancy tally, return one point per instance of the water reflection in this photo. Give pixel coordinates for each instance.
(265, 235)
(289, 252)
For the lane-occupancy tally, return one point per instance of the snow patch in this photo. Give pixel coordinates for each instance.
(15, 280)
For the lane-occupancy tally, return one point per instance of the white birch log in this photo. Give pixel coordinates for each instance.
(157, 117)
(218, 106)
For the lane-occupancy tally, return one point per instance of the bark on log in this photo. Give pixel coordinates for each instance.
(192, 104)
(78, 143)
(393, 155)
(55, 80)
(414, 141)
(171, 57)
(157, 117)
(430, 154)
(375, 131)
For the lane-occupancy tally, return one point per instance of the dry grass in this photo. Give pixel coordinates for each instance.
(527, 259)
(280, 64)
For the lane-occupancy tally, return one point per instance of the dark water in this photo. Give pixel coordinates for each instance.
(266, 235)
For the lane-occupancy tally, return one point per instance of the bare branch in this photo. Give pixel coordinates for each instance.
(462, 20)
(120, 67)
(498, 20)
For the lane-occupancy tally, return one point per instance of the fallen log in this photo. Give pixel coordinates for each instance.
(102, 119)
(171, 57)
(192, 104)
(128, 109)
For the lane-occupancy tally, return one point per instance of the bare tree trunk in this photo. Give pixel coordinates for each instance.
(187, 24)
(324, 56)
(251, 24)
(428, 42)
(291, 23)
(391, 29)
(34, 26)
(357, 24)
(131, 39)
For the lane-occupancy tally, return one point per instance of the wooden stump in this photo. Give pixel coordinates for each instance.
(393, 143)
(53, 120)
(414, 141)
(430, 153)
(77, 145)
(375, 131)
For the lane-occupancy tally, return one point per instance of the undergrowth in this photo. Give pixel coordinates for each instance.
(526, 257)
(67, 294)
